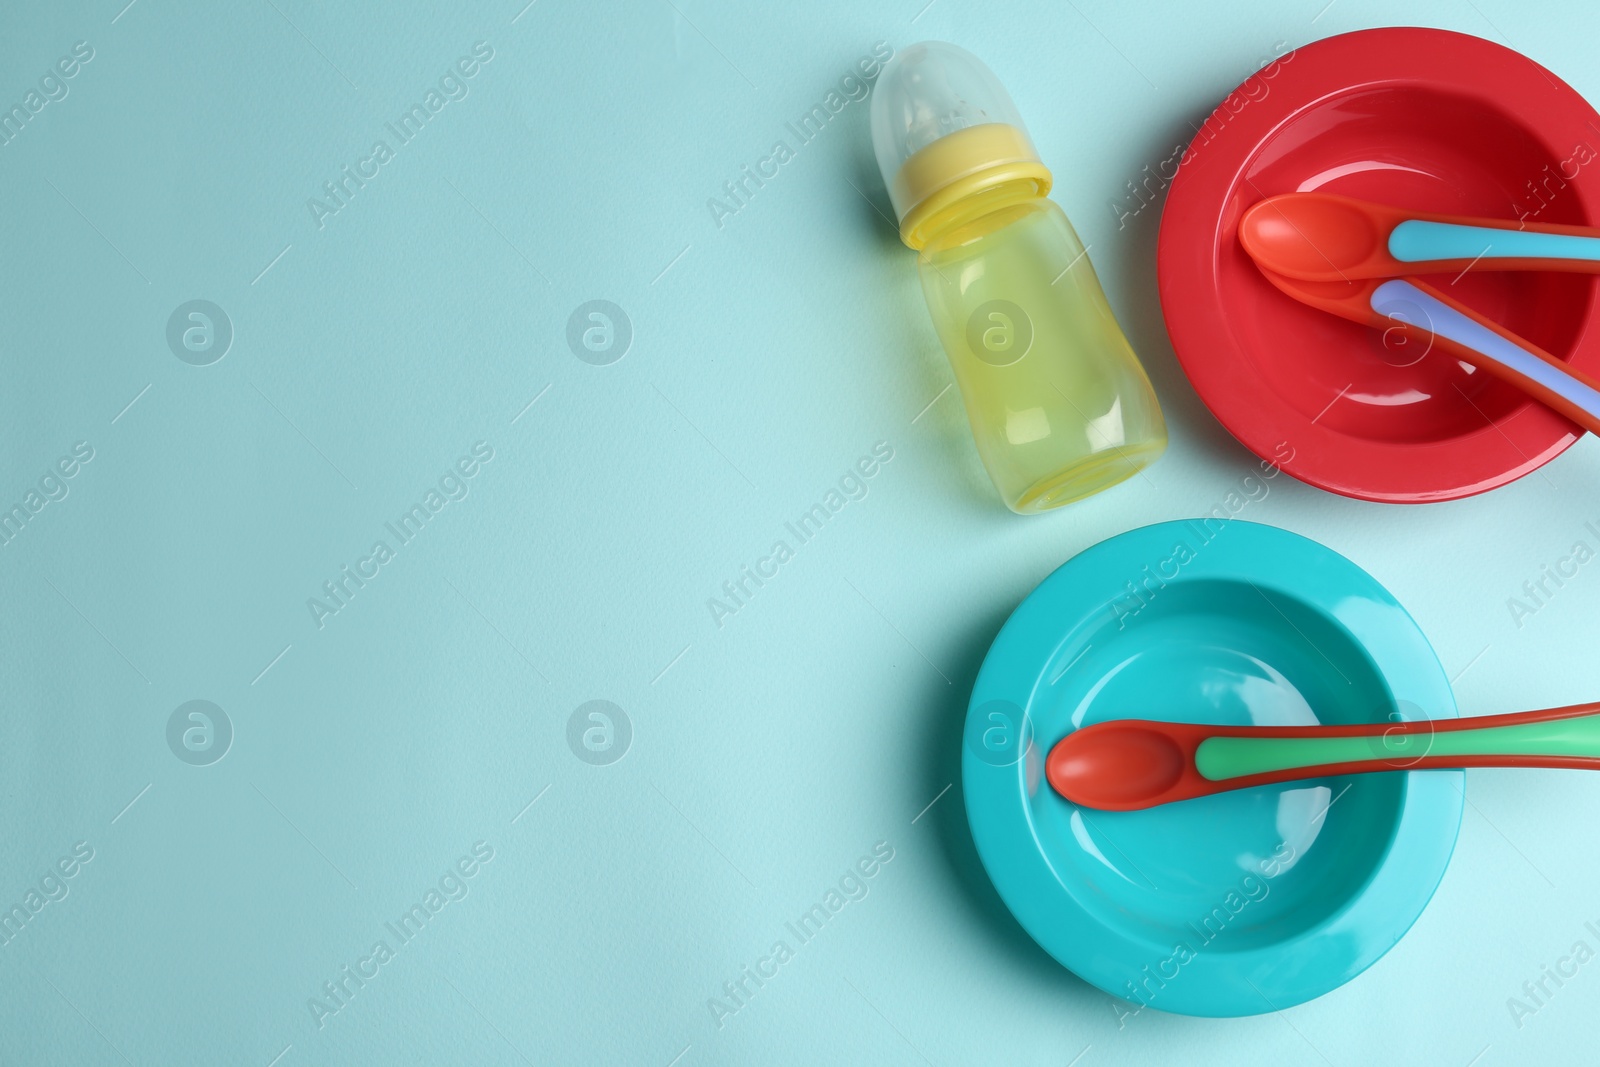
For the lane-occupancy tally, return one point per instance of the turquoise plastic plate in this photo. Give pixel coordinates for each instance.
(1236, 904)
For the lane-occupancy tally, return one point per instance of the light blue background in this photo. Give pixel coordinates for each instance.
(768, 354)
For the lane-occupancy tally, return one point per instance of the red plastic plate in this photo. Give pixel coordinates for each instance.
(1423, 119)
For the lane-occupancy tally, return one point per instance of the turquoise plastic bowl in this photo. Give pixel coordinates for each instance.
(1236, 904)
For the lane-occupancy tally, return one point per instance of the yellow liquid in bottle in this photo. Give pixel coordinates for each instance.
(1059, 404)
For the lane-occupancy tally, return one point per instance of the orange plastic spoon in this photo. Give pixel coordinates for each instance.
(1129, 764)
(1427, 317)
(1324, 237)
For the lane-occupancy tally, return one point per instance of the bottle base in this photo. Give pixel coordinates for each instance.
(1087, 477)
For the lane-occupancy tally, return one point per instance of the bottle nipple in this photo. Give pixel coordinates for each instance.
(945, 130)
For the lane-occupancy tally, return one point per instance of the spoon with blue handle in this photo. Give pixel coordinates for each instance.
(1130, 764)
(1321, 237)
(1429, 318)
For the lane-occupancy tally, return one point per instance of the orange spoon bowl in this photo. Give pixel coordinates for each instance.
(1427, 121)
(1232, 626)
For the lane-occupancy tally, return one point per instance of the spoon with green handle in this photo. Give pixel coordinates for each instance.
(1129, 764)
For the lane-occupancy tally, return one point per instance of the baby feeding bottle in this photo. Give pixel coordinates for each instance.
(1059, 405)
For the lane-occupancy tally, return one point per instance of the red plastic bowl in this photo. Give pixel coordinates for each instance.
(1423, 119)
